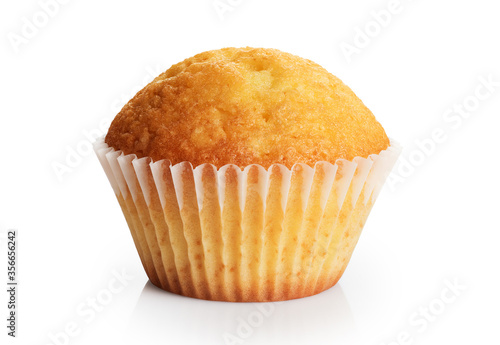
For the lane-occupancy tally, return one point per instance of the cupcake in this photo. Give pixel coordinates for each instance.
(246, 174)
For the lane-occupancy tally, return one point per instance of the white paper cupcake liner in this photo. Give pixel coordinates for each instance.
(250, 234)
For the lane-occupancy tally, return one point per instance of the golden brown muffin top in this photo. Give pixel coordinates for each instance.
(247, 106)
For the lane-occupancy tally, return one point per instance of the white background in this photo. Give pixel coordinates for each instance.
(435, 225)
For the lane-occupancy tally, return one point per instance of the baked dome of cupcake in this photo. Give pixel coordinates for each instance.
(247, 106)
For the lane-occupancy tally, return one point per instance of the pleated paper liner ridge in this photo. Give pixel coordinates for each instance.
(249, 234)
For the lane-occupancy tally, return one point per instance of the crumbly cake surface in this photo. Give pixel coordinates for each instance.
(247, 106)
